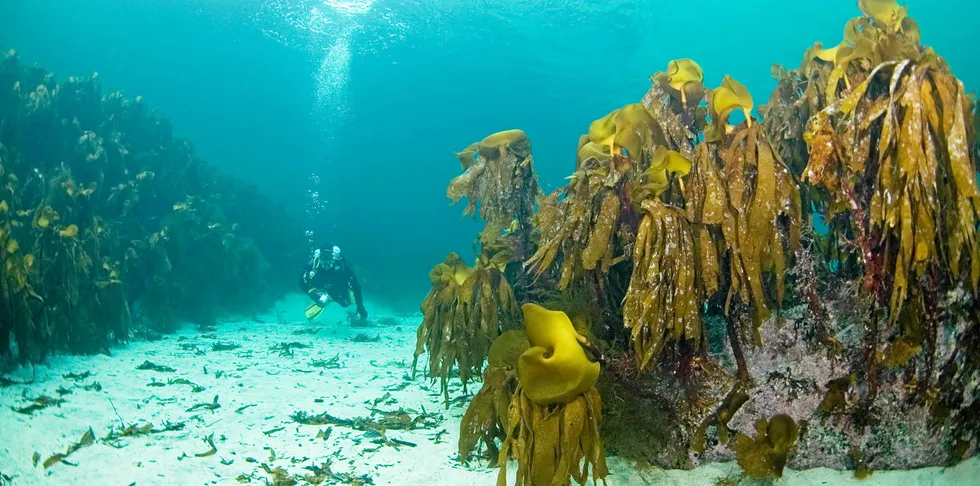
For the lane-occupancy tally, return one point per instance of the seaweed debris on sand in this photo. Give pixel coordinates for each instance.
(390, 433)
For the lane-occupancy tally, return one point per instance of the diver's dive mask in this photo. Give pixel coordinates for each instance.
(330, 260)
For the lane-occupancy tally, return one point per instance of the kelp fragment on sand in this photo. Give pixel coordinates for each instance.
(323, 473)
(114, 436)
(396, 420)
(209, 440)
(183, 381)
(77, 376)
(39, 403)
(241, 409)
(5, 382)
(327, 364)
(286, 348)
(214, 405)
(87, 439)
(94, 386)
(363, 337)
(225, 346)
(147, 365)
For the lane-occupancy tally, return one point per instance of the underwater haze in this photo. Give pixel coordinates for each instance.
(570, 242)
(374, 96)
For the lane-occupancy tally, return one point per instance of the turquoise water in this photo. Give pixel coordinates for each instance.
(374, 96)
(348, 113)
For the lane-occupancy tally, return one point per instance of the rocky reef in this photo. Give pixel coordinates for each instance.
(795, 290)
(111, 226)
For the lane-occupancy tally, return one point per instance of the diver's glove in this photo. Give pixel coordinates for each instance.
(322, 300)
(362, 312)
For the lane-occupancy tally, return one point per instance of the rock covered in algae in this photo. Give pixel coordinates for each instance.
(730, 240)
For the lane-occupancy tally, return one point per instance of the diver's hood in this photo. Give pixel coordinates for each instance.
(327, 259)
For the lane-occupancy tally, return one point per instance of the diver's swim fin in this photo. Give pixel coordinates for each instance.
(314, 311)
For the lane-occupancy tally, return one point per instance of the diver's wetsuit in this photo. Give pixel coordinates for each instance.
(337, 281)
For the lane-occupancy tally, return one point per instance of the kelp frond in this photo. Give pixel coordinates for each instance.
(464, 312)
(894, 154)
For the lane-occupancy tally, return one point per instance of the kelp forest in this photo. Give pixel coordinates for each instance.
(111, 227)
(793, 290)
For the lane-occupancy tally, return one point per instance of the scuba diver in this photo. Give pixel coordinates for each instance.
(328, 276)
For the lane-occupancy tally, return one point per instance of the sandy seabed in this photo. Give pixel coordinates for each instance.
(258, 386)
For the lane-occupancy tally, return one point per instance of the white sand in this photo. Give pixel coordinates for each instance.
(278, 386)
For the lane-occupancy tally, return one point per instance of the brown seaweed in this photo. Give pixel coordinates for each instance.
(327, 364)
(720, 418)
(209, 440)
(323, 473)
(394, 420)
(77, 376)
(39, 403)
(365, 338)
(94, 386)
(765, 455)
(241, 409)
(183, 381)
(554, 443)
(115, 436)
(224, 346)
(486, 415)
(147, 365)
(214, 405)
(286, 348)
(273, 430)
(463, 313)
(87, 439)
